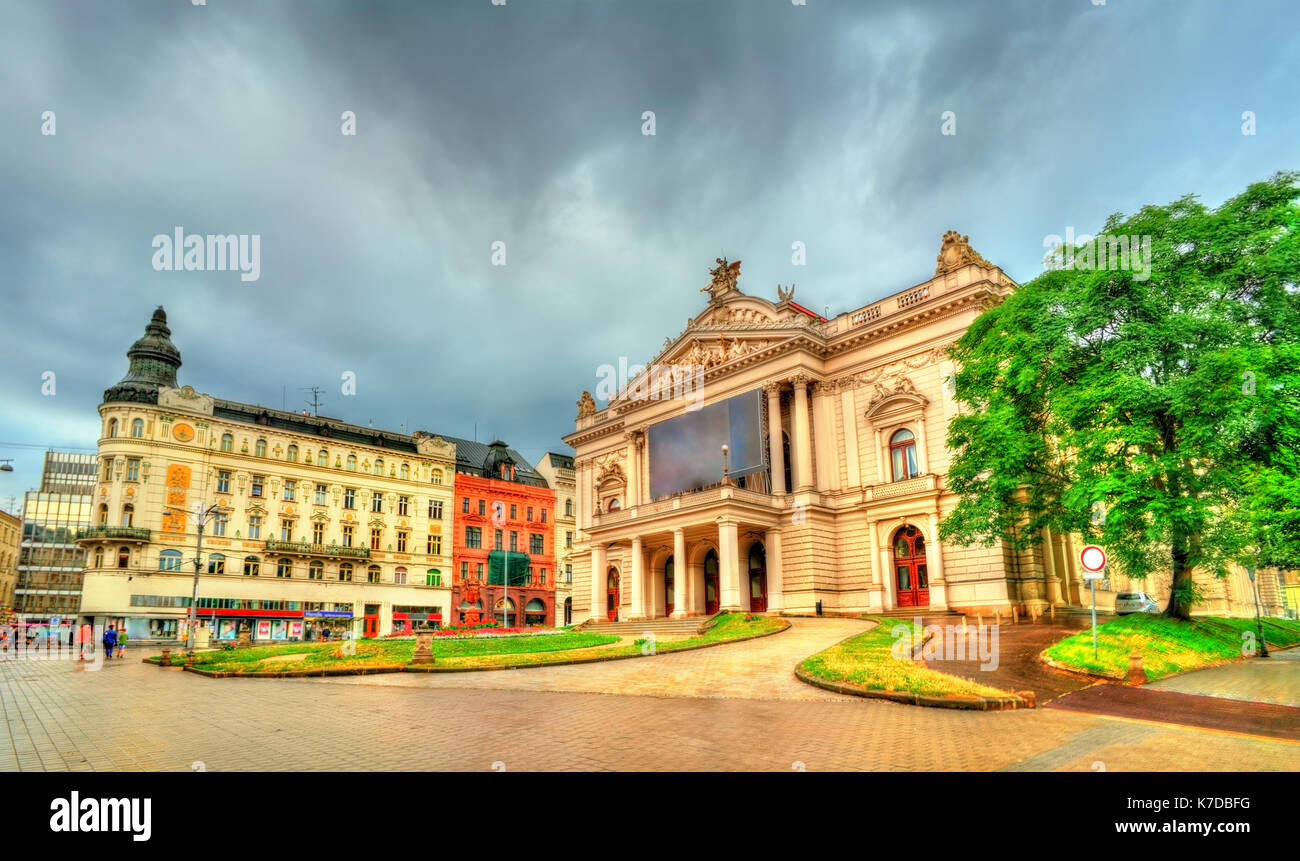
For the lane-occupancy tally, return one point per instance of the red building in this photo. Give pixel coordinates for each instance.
(504, 523)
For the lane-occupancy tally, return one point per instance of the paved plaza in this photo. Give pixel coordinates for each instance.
(735, 707)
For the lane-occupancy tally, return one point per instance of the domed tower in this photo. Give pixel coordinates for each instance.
(154, 361)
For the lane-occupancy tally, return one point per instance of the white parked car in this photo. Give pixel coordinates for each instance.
(1134, 602)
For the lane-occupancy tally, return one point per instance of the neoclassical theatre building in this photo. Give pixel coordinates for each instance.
(839, 510)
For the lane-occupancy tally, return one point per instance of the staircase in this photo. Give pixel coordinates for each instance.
(692, 625)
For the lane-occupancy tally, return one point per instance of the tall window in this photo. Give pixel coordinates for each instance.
(290, 488)
(372, 574)
(435, 509)
(514, 512)
(543, 515)
(568, 573)
(433, 577)
(345, 572)
(320, 494)
(399, 576)
(257, 486)
(318, 533)
(316, 570)
(133, 469)
(349, 497)
(530, 514)
(108, 469)
(401, 541)
(403, 503)
(293, 453)
(348, 530)
(478, 570)
(902, 455)
(254, 526)
(137, 429)
(252, 566)
(377, 503)
(535, 544)
(568, 540)
(434, 545)
(352, 463)
(437, 477)
(482, 507)
(568, 508)
(405, 471)
(286, 529)
(169, 560)
(323, 459)
(103, 514)
(259, 448)
(227, 442)
(284, 568)
(473, 537)
(379, 466)
(123, 557)
(220, 522)
(223, 481)
(464, 505)
(376, 536)
(217, 563)
(112, 427)
(128, 515)
(99, 557)
(514, 541)
(496, 540)
(464, 571)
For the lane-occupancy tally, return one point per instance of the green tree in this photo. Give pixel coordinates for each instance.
(1157, 412)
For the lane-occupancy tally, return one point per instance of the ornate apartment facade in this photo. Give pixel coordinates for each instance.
(314, 523)
(557, 469)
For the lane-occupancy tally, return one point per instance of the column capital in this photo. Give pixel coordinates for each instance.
(800, 380)
(636, 438)
(679, 531)
(773, 389)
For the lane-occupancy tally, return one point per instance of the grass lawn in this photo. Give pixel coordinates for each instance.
(378, 653)
(867, 660)
(470, 654)
(1167, 646)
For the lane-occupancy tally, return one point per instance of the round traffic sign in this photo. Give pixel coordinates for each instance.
(1092, 558)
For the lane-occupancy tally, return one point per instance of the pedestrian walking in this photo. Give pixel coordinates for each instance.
(121, 643)
(110, 640)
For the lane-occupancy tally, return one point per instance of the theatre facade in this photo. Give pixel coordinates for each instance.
(838, 509)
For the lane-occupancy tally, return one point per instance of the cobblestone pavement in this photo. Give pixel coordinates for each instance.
(129, 716)
(1275, 679)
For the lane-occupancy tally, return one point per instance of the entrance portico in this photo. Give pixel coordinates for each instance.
(691, 554)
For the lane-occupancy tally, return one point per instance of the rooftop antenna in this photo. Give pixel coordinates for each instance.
(314, 403)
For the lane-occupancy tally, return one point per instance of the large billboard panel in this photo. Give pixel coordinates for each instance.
(686, 451)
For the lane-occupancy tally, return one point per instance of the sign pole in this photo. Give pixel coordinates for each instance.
(1093, 560)
(1092, 587)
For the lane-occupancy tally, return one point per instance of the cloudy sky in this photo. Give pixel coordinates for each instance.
(522, 123)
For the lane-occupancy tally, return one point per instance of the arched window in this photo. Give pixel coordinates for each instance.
(433, 577)
(112, 427)
(103, 514)
(284, 568)
(405, 471)
(123, 557)
(227, 442)
(169, 560)
(293, 454)
(137, 429)
(379, 466)
(902, 455)
(259, 448)
(436, 478)
(217, 563)
(316, 570)
(323, 459)
(345, 572)
(614, 504)
(372, 574)
(128, 514)
(252, 566)
(568, 508)
(352, 463)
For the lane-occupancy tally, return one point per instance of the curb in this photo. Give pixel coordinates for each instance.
(988, 704)
(434, 668)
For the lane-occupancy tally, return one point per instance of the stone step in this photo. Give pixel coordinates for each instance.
(691, 625)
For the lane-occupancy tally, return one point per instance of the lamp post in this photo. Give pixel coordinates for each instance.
(201, 515)
(726, 479)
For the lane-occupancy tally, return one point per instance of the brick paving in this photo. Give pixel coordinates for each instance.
(1275, 679)
(129, 716)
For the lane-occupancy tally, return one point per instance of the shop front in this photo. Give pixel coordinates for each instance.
(326, 624)
(407, 619)
(265, 626)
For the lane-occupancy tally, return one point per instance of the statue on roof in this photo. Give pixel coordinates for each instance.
(955, 253)
(586, 405)
(724, 279)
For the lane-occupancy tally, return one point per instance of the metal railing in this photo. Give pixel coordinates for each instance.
(308, 549)
(135, 533)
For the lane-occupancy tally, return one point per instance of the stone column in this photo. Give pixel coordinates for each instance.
(775, 573)
(1049, 565)
(882, 477)
(598, 587)
(850, 434)
(876, 589)
(774, 436)
(729, 566)
(890, 595)
(637, 611)
(938, 586)
(804, 478)
(681, 570)
(922, 450)
(634, 468)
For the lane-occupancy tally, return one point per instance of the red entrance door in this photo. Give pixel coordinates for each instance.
(372, 621)
(611, 596)
(910, 574)
(757, 579)
(711, 603)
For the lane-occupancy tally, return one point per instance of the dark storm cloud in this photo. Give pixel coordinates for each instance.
(522, 123)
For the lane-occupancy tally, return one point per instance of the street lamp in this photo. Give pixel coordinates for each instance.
(201, 515)
(1259, 623)
(725, 478)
